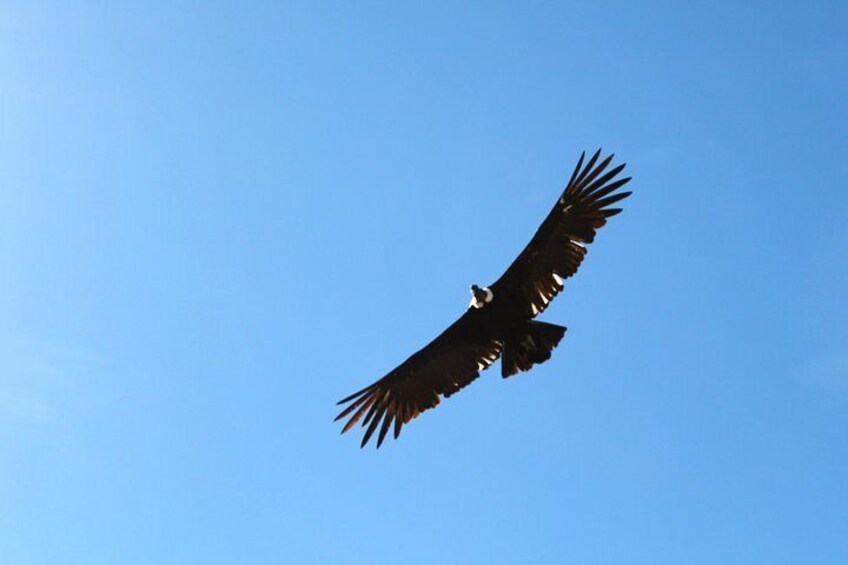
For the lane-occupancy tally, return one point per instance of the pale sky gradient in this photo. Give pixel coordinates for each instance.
(217, 219)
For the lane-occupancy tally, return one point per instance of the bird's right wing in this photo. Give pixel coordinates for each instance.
(447, 364)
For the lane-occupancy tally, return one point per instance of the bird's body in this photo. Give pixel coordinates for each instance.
(499, 320)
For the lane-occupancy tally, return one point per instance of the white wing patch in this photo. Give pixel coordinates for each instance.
(488, 359)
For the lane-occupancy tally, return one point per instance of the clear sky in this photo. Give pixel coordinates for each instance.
(217, 219)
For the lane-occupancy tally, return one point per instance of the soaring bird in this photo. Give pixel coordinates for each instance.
(499, 320)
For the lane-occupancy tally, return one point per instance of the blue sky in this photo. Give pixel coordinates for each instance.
(217, 219)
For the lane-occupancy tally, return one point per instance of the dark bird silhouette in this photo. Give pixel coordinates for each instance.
(499, 320)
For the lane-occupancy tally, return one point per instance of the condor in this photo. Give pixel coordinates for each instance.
(499, 320)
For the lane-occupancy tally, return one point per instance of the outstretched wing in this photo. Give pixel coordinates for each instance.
(556, 250)
(446, 365)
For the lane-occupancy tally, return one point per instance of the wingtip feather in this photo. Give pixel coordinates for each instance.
(576, 169)
(387, 421)
(359, 392)
(373, 425)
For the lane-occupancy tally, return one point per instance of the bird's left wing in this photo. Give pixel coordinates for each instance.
(557, 248)
(447, 364)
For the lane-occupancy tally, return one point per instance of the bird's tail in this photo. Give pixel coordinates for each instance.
(531, 344)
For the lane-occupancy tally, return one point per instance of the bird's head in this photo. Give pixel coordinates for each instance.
(480, 296)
